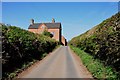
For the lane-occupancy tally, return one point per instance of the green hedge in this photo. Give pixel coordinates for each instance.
(21, 47)
(102, 41)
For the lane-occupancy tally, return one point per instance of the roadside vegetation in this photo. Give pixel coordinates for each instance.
(102, 42)
(22, 48)
(46, 33)
(98, 69)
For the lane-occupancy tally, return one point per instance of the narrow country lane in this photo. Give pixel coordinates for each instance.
(61, 63)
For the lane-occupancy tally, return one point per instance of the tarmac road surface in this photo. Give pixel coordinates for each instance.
(61, 63)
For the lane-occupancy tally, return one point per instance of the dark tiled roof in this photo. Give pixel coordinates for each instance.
(49, 25)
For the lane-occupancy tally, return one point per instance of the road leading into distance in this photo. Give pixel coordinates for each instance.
(61, 63)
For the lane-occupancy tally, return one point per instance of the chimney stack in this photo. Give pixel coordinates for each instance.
(53, 20)
(32, 21)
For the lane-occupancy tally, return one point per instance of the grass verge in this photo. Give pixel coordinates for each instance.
(98, 69)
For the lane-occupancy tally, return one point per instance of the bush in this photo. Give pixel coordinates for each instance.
(102, 42)
(21, 47)
(46, 33)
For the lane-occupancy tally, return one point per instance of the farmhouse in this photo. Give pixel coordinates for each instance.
(53, 27)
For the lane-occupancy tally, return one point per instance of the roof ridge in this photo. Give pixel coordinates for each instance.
(46, 22)
(49, 25)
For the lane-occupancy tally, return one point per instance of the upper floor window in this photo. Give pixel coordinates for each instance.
(43, 26)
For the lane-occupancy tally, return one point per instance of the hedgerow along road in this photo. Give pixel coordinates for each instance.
(61, 63)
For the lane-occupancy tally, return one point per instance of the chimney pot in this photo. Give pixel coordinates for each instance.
(53, 20)
(32, 21)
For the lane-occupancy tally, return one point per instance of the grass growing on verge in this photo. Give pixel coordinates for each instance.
(97, 68)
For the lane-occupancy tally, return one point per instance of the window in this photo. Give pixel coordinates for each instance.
(43, 26)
